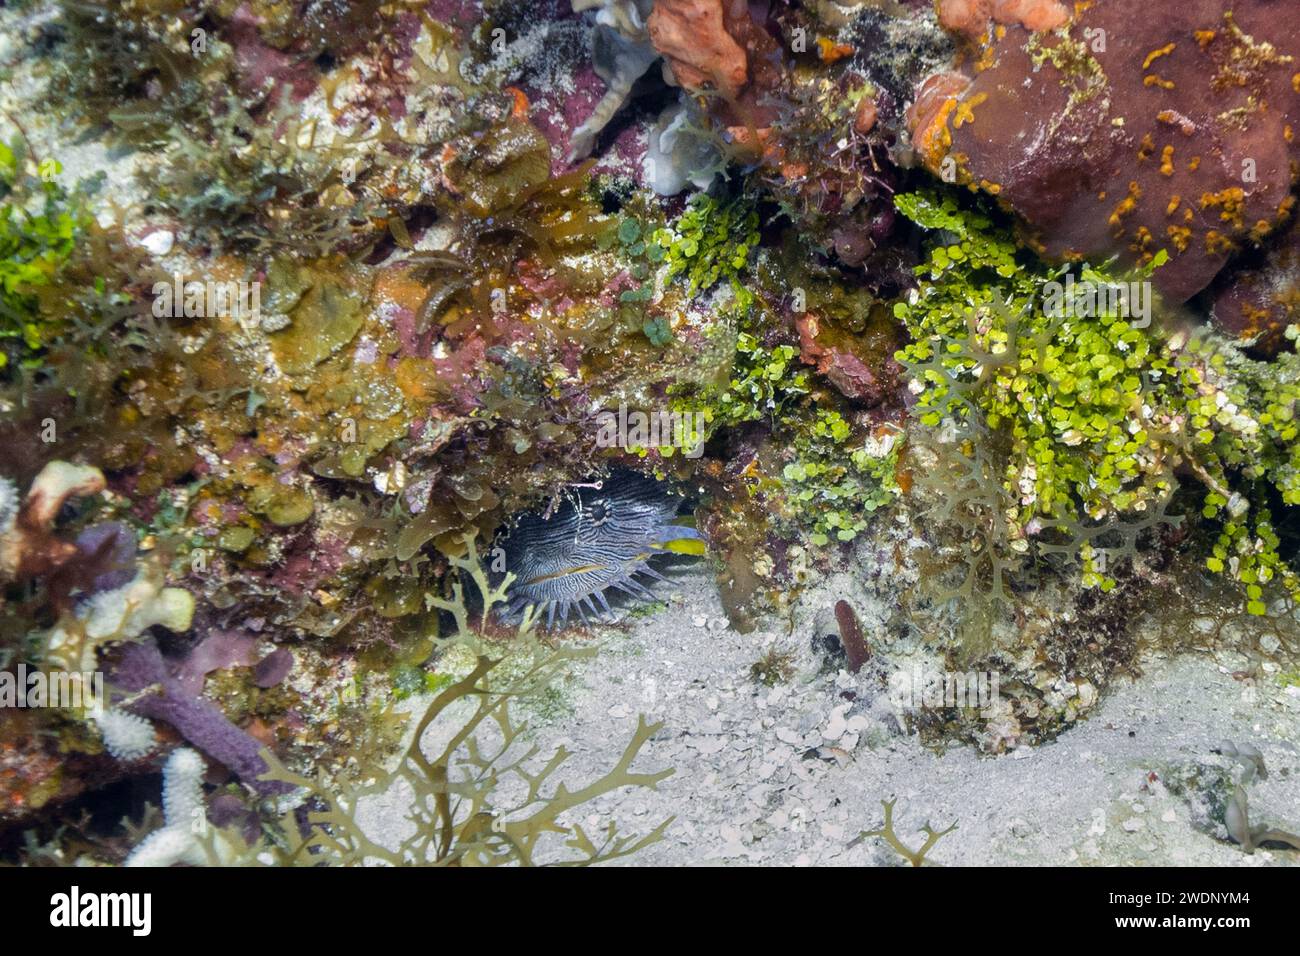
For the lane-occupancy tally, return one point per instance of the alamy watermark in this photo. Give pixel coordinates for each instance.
(933, 689)
(1084, 298)
(207, 298)
(71, 690)
(133, 911)
(635, 429)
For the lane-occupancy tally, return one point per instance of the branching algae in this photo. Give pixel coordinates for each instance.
(472, 802)
(886, 832)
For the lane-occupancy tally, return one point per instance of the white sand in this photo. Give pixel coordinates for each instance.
(750, 786)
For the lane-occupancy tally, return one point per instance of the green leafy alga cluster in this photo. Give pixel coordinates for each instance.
(835, 479)
(835, 483)
(1091, 418)
(711, 242)
(763, 382)
(39, 225)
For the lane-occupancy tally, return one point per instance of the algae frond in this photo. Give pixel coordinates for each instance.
(480, 794)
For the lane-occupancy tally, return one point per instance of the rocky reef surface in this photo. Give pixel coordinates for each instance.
(835, 399)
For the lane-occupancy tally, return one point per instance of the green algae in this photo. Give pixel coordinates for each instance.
(283, 505)
(40, 224)
(1081, 427)
(237, 539)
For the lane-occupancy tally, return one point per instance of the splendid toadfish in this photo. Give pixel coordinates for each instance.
(601, 537)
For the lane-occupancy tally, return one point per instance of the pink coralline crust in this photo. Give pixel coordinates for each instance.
(413, 344)
(143, 508)
(512, 329)
(556, 115)
(457, 13)
(1179, 136)
(400, 40)
(460, 372)
(225, 514)
(262, 68)
(558, 109)
(309, 561)
(241, 448)
(626, 153)
(539, 282)
(608, 297)
(401, 35)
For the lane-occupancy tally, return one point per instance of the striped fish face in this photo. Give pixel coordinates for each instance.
(600, 538)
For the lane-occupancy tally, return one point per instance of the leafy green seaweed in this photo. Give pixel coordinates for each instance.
(40, 222)
(1069, 430)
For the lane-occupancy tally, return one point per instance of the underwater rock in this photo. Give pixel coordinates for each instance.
(262, 68)
(1165, 125)
(1260, 303)
(601, 537)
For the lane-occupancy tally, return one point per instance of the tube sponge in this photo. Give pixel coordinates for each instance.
(177, 841)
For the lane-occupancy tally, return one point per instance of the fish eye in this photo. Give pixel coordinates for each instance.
(599, 511)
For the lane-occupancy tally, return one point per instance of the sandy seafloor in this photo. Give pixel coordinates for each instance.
(788, 776)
